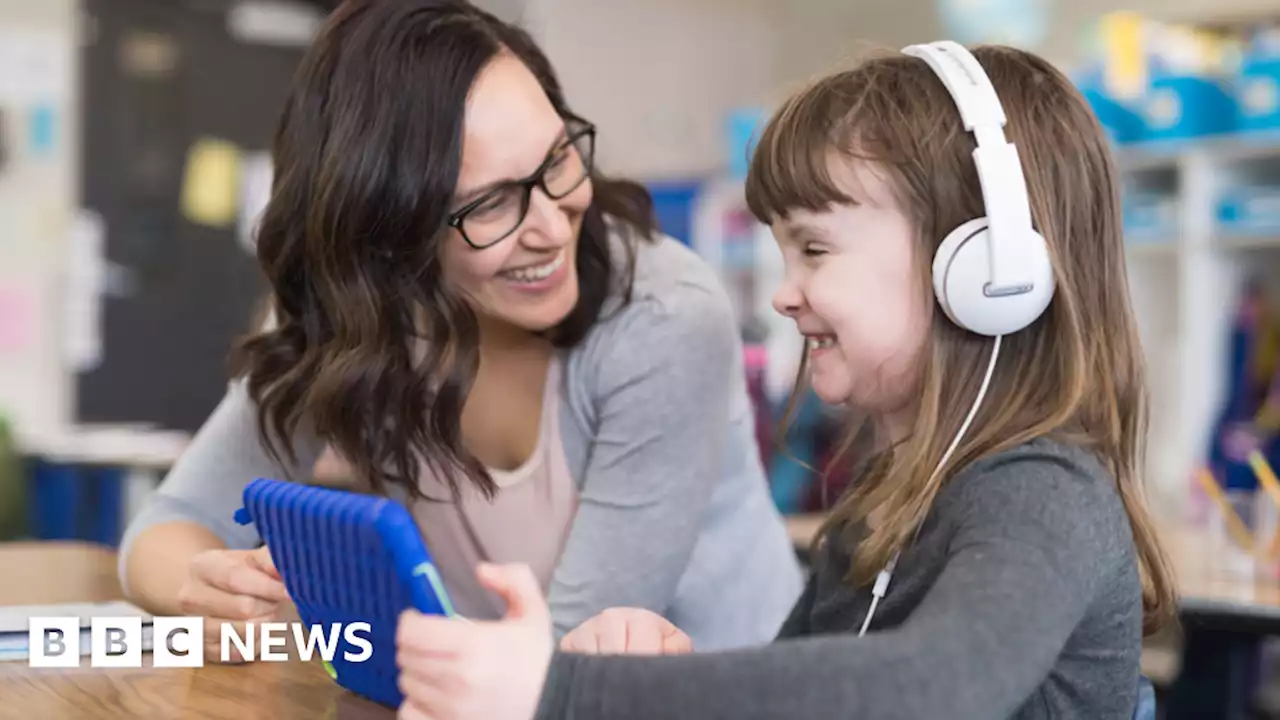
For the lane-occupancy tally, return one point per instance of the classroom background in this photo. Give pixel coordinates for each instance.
(134, 139)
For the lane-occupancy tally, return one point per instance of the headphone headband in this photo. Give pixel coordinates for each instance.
(969, 86)
(1004, 188)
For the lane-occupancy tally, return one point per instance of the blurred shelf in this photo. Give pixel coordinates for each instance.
(1166, 155)
(137, 446)
(1232, 20)
(1257, 146)
(1224, 241)
(1154, 158)
(1193, 272)
(1248, 242)
(1152, 248)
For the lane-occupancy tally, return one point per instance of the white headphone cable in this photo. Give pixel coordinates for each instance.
(882, 580)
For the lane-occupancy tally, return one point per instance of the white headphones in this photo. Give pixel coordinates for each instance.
(992, 275)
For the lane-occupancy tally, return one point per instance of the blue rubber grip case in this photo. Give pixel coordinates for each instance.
(347, 557)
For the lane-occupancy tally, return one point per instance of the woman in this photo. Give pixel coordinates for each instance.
(480, 324)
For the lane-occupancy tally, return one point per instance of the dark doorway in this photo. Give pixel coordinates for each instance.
(158, 77)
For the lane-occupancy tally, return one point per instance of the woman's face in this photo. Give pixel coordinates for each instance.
(513, 257)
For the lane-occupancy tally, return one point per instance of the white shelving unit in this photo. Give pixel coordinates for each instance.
(1185, 291)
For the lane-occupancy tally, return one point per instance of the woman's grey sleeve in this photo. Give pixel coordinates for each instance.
(206, 484)
(665, 395)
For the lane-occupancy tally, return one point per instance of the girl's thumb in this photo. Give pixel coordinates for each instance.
(517, 587)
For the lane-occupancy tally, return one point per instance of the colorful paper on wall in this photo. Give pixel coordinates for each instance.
(17, 318)
(1021, 23)
(42, 130)
(211, 185)
(1123, 40)
(35, 65)
(86, 275)
(256, 178)
(149, 55)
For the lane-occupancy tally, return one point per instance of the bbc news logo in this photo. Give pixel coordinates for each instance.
(178, 642)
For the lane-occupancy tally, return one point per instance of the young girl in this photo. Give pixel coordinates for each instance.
(481, 324)
(995, 558)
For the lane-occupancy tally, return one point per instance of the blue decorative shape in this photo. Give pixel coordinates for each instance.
(1020, 23)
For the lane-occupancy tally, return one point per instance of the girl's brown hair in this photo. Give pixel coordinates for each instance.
(1077, 373)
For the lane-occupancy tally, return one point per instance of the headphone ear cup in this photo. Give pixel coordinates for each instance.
(942, 260)
(961, 267)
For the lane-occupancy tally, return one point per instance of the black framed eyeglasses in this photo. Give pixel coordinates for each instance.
(490, 218)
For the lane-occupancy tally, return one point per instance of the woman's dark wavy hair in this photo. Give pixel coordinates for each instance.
(367, 154)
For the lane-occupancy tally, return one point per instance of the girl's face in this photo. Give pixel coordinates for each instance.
(853, 288)
(514, 255)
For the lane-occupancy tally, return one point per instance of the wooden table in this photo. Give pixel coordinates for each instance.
(71, 572)
(1209, 591)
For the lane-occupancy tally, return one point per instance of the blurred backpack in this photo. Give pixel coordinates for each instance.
(1246, 420)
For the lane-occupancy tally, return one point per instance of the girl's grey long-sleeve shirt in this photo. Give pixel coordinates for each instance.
(1021, 598)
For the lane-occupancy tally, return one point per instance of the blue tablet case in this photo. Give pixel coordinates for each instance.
(345, 558)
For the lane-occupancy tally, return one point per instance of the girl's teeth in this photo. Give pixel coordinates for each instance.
(821, 343)
(534, 274)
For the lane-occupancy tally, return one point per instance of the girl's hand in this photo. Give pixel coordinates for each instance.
(454, 669)
(627, 631)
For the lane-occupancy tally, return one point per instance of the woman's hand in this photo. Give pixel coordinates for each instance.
(231, 586)
(627, 631)
(452, 669)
